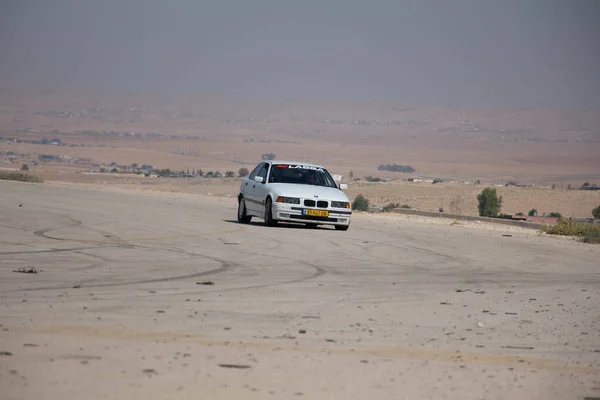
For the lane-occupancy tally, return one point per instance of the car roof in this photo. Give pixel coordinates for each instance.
(295, 163)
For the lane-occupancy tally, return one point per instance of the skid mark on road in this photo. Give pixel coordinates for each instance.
(429, 354)
(42, 232)
(225, 266)
(66, 250)
(121, 240)
(319, 271)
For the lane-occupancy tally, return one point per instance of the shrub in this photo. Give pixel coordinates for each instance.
(596, 212)
(591, 237)
(555, 215)
(19, 176)
(243, 172)
(390, 207)
(519, 214)
(229, 174)
(360, 203)
(396, 168)
(25, 167)
(373, 179)
(569, 227)
(532, 212)
(489, 203)
(162, 172)
(268, 156)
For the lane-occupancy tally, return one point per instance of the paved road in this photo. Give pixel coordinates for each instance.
(117, 311)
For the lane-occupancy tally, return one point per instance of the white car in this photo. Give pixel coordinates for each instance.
(293, 191)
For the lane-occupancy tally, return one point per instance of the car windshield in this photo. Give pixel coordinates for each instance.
(301, 175)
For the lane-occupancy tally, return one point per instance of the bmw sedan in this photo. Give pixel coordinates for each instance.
(293, 192)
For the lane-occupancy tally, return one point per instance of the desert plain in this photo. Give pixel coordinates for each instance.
(118, 285)
(543, 151)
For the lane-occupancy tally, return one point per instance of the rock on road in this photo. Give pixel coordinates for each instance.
(159, 296)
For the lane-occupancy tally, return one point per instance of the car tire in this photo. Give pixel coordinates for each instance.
(242, 217)
(269, 221)
(342, 227)
(311, 226)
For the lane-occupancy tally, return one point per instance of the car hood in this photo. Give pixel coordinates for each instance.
(309, 191)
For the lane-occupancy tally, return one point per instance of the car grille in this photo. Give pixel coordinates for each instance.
(322, 204)
(319, 204)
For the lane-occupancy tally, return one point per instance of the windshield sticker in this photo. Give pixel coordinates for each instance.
(304, 167)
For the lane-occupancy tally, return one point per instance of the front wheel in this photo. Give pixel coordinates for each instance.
(241, 215)
(269, 221)
(342, 227)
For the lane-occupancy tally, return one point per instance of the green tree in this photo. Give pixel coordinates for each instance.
(596, 212)
(243, 172)
(489, 203)
(555, 215)
(229, 174)
(360, 203)
(532, 213)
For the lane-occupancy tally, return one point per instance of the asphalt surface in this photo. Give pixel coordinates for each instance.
(142, 296)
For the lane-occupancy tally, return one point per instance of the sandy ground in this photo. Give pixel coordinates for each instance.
(394, 308)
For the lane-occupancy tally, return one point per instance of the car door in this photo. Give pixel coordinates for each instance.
(253, 203)
(244, 188)
(261, 189)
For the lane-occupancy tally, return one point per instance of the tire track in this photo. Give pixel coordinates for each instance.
(319, 271)
(58, 250)
(225, 266)
(42, 232)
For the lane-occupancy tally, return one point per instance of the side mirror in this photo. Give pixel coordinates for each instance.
(343, 186)
(258, 179)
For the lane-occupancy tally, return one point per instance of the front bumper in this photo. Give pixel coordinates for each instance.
(296, 213)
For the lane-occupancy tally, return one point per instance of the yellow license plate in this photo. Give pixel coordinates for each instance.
(317, 213)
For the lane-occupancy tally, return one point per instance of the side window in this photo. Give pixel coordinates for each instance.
(255, 171)
(263, 172)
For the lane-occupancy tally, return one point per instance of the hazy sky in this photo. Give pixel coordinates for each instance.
(447, 52)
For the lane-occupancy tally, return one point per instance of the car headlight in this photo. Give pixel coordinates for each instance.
(289, 200)
(340, 204)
